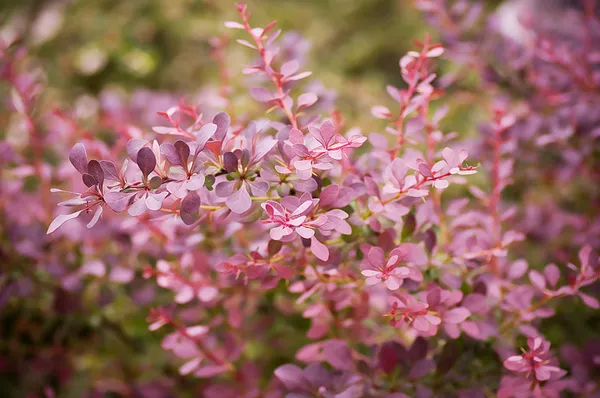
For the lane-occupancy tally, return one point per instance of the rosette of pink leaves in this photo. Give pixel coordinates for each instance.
(319, 149)
(535, 362)
(378, 269)
(242, 165)
(296, 217)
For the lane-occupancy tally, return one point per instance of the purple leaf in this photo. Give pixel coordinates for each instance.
(222, 121)
(118, 201)
(89, 180)
(183, 150)
(224, 188)
(319, 250)
(146, 161)
(206, 133)
(421, 368)
(95, 170)
(133, 147)
(425, 170)
(328, 195)
(78, 158)
(390, 355)
(169, 151)
(190, 205)
(419, 349)
(230, 162)
(290, 375)
(110, 170)
(261, 94)
(338, 354)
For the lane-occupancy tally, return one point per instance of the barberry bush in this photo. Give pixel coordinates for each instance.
(277, 250)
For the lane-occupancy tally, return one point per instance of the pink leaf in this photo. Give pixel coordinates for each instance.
(95, 218)
(381, 112)
(246, 43)
(305, 100)
(233, 25)
(552, 274)
(261, 94)
(240, 201)
(338, 354)
(290, 375)
(590, 301)
(299, 76)
(290, 67)
(456, 315)
(319, 249)
(537, 279)
(517, 269)
(60, 220)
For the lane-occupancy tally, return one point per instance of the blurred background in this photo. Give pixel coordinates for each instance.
(89, 46)
(152, 52)
(149, 53)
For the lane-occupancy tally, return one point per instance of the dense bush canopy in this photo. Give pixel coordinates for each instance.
(192, 208)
